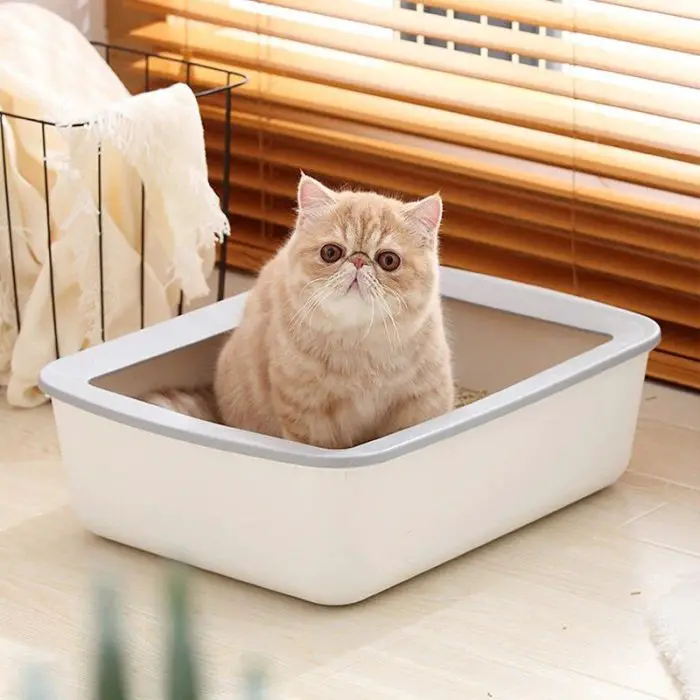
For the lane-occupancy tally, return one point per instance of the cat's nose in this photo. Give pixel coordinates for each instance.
(358, 261)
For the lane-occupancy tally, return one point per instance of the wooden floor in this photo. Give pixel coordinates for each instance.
(552, 612)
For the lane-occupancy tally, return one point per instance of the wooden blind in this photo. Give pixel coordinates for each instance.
(564, 136)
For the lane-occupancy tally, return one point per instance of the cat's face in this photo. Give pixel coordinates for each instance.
(359, 259)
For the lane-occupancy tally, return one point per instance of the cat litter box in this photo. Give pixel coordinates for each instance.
(564, 379)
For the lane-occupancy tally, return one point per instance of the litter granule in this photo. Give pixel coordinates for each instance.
(464, 396)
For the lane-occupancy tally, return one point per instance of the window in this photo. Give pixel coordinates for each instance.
(479, 19)
(564, 136)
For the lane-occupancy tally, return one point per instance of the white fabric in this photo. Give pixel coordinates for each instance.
(49, 70)
(675, 625)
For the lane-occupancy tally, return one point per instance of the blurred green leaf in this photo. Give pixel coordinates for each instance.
(111, 675)
(182, 682)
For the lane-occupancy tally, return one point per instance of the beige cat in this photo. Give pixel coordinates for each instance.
(342, 338)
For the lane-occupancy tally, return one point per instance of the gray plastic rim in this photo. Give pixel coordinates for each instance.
(69, 379)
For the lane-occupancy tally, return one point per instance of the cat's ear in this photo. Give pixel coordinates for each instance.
(425, 216)
(312, 195)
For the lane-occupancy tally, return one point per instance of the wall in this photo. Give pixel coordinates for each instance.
(87, 15)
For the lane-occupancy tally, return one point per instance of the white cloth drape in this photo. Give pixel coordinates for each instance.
(49, 71)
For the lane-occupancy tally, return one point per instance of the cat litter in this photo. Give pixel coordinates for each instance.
(463, 397)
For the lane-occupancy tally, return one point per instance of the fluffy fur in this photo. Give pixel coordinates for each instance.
(673, 620)
(198, 403)
(336, 353)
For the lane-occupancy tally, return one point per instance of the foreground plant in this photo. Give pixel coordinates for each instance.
(111, 679)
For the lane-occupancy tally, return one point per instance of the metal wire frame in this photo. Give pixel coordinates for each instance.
(230, 79)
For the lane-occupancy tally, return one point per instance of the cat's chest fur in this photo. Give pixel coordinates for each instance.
(355, 413)
(359, 388)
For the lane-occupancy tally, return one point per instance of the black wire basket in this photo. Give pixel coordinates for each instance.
(142, 61)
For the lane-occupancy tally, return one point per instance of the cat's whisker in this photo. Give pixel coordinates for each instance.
(391, 318)
(316, 280)
(316, 298)
(325, 284)
(388, 335)
(378, 292)
(306, 311)
(401, 302)
(371, 320)
(307, 307)
(387, 291)
(387, 315)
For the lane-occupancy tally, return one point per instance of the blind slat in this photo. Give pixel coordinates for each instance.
(689, 9)
(673, 33)
(680, 340)
(683, 70)
(458, 161)
(519, 237)
(342, 166)
(282, 109)
(249, 250)
(589, 185)
(674, 369)
(374, 96)
(555, 112)
(484, 257)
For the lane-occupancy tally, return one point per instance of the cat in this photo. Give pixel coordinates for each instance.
(342, 338)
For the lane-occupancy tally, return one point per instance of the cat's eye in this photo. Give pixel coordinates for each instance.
(331, 253)
(388, 260)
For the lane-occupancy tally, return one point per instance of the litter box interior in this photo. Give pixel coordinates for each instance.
(492, 349)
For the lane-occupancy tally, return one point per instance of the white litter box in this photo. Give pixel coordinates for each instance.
(564, 377)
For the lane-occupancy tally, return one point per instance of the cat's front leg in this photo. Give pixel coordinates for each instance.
(412, 410)
(320, 434)
(307, 425)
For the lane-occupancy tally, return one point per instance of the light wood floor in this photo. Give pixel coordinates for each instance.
(552, 612)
